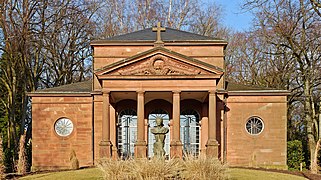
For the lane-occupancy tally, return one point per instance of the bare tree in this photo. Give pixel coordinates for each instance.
(316, 5)
(14, 23)
(112, 18)
(123, 16)
(207, 21)
(45, 44)
(180, 13)
(293, 27)
(67, 49)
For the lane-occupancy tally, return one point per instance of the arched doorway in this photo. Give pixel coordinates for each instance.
(151, 123)
(190, 131)
(126, 132)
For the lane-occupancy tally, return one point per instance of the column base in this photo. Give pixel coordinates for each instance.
(176, 149)
(114, 153)
(140, 149)
(212, 148)
(105, 148)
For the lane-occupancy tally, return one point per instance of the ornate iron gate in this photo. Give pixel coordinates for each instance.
(190, 132)
(126, 132)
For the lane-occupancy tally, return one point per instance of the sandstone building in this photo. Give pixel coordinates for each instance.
(151, 73)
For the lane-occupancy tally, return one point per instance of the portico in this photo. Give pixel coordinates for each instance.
(174, 91)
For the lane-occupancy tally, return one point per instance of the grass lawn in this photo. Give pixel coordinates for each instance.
(82, 174)
(247, 174)
(95, 173)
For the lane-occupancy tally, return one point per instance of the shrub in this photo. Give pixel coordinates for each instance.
(295, 155)
(158, 168)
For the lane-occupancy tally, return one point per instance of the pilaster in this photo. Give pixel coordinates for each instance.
(105, 144)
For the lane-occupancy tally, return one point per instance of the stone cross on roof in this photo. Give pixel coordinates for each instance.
(158, 29)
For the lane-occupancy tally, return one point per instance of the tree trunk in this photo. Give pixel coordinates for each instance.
(314, 163)
(2, 168)
(310, 126)
(22, 166)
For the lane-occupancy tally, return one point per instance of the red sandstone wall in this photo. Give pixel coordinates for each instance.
(52, 151)
(266, 149)
(105, 55)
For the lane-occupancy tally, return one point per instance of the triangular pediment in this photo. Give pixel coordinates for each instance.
(159, 62)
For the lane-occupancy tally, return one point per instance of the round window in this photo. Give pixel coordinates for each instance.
(64, 127)
(254, 125)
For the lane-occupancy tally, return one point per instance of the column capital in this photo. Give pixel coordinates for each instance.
(105, 91)
(212, 91)
(140, 92)
(176, 92)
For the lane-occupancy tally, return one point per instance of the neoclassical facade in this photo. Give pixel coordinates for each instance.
(158, 72)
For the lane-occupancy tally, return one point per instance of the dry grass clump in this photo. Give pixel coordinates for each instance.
(140, 168)
(197, 168)
(156, 168)
(203, 168)
(116, 169)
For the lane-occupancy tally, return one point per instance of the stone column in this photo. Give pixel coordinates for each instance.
(113, 131)
(176, 144)
(105, 144)
(212, 144)
(140, 146)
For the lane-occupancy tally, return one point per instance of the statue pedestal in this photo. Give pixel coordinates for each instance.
(212, 148)
(140, 149)
(105, 149)
(176, 149)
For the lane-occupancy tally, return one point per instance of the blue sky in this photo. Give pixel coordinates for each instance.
(233, 16)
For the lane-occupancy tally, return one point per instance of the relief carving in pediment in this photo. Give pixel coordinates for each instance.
(159, 65)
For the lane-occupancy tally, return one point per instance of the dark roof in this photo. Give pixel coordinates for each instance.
(231, 86)
(86, 87)
(78, 87)
(169, 35)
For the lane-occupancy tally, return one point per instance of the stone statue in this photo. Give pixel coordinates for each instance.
(160, 133)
